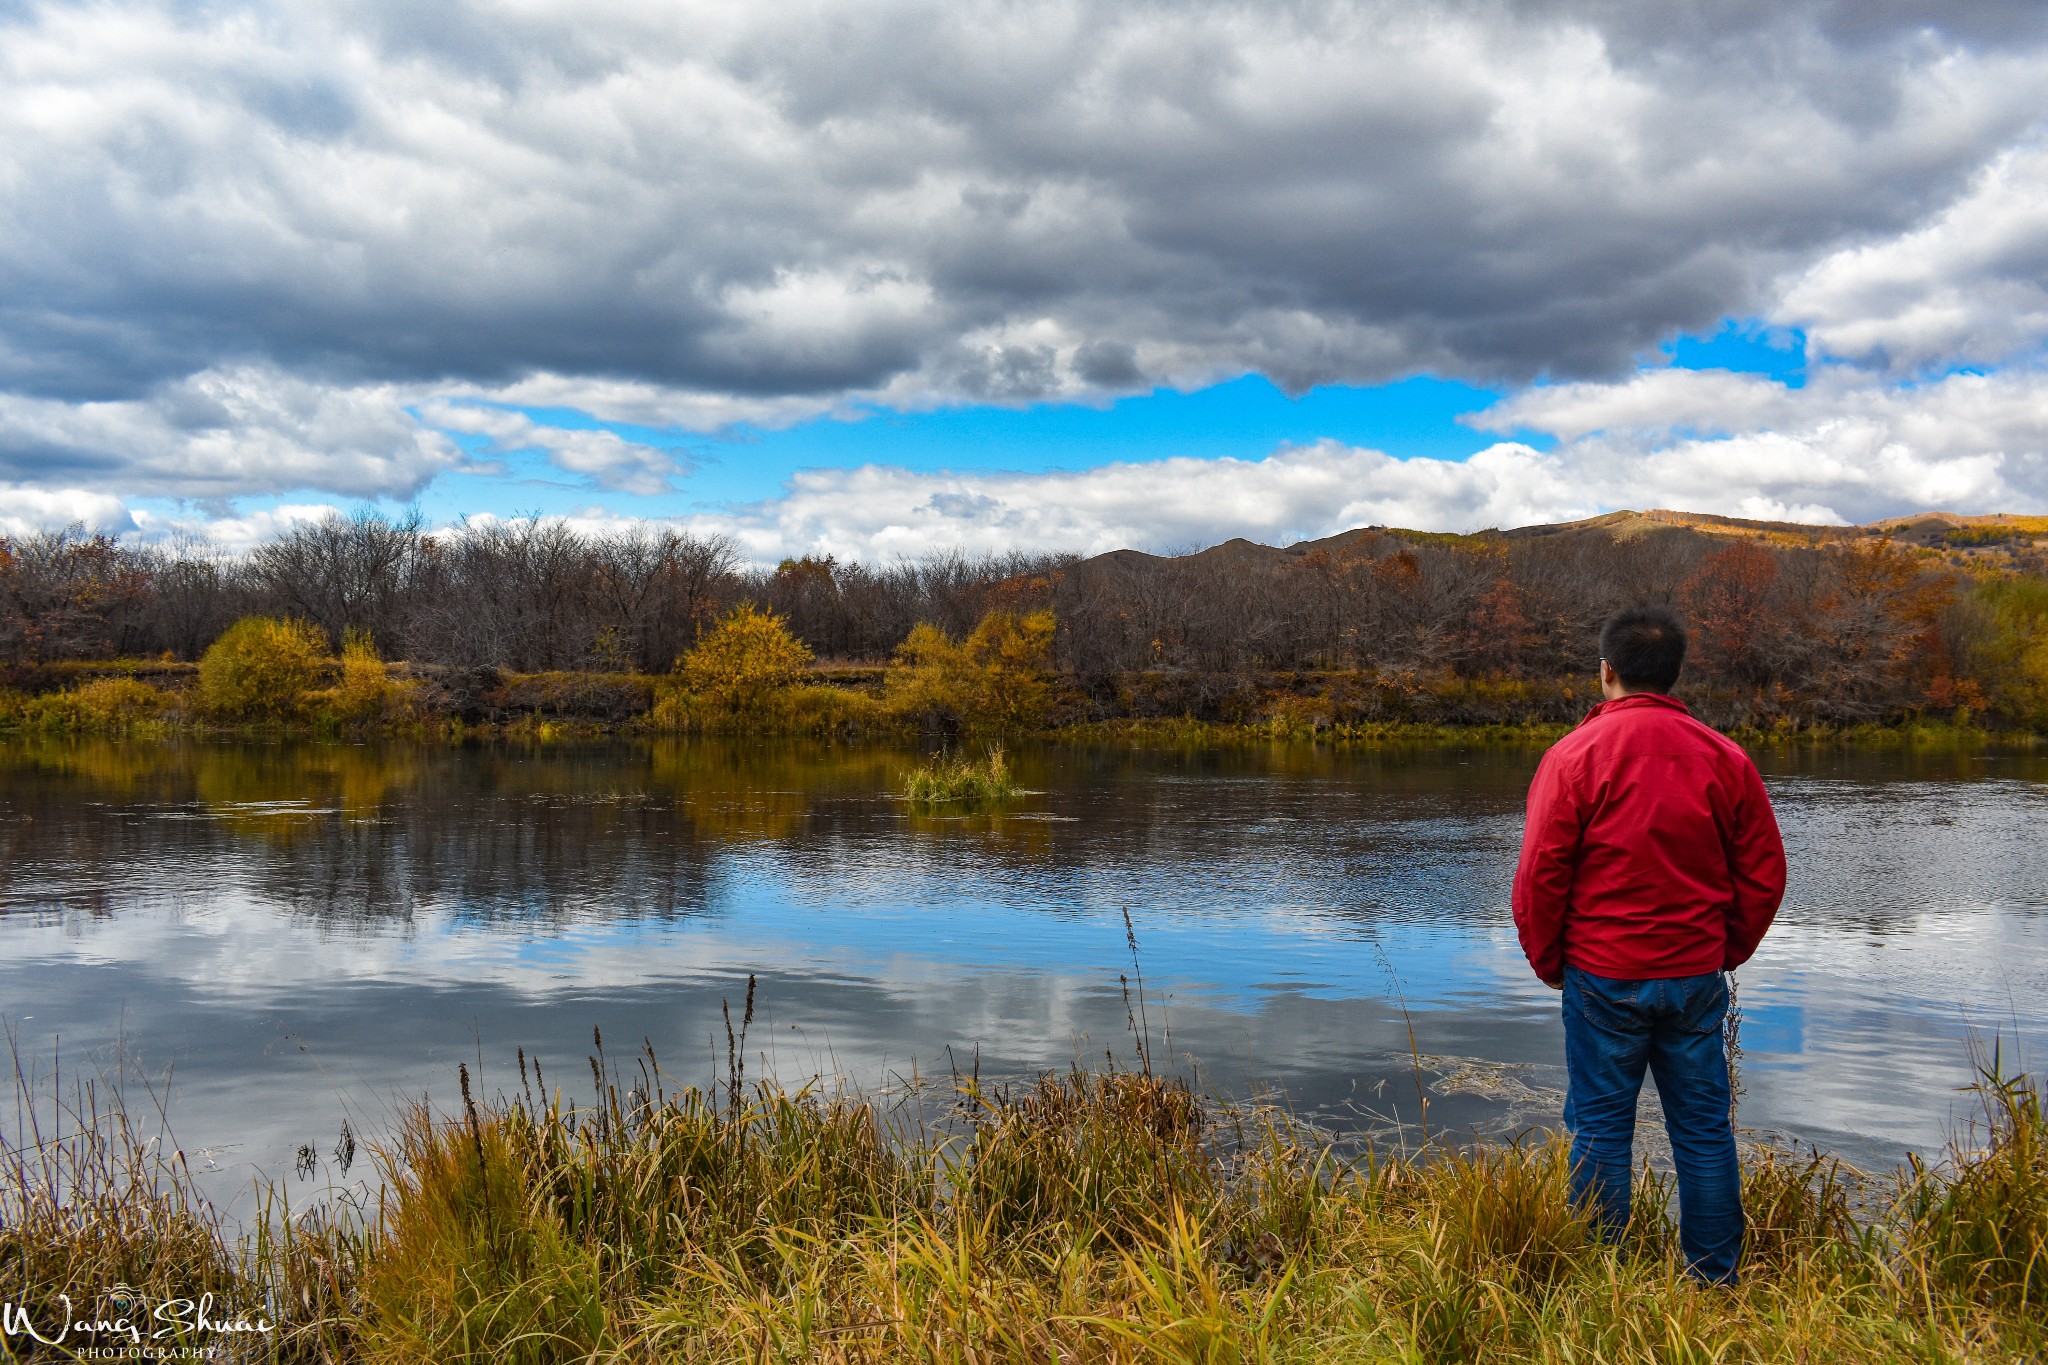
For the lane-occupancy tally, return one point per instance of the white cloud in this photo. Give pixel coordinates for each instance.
(2001, 418)
(26, 511)
(1970, 287)
(233, 534)
(1653, 400)
(1844, 449)
(606, 458)
(878, 512)
(638, 403)
(1848, 447)
(228, 433)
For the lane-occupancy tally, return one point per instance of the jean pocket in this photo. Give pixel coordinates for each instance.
(1704, 1004)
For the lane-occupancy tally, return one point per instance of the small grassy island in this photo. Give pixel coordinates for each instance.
(962, 781)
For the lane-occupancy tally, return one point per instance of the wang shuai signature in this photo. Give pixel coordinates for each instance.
(127, 1317)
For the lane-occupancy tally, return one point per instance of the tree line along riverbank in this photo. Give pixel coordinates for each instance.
(1110, 1216)
(748, 674)
(376, 626)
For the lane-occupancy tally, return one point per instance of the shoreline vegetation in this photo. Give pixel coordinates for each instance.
(307, 694)
(1932, 630)
(1112, 1216)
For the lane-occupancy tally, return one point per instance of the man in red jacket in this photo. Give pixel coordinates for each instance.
(1651, 865)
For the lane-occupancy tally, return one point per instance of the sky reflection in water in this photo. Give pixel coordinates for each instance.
(312, 931)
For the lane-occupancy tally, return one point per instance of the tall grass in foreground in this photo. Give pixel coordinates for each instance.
(1088, 1217)
(944, 779)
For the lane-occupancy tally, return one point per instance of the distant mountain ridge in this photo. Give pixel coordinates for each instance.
(1952, 535)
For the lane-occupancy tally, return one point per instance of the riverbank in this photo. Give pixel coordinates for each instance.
(152, 699)
(1111, 1217)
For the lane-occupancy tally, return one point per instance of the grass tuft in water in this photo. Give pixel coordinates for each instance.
(944, 780)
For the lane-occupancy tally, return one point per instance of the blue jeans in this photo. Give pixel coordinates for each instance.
(1612, 1030)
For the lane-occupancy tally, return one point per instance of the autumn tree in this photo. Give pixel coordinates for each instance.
(1729, 603)
(67, 595)
(1876, 625)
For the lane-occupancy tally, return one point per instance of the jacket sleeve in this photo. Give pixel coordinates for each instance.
(1756, 860)
(1543, 878)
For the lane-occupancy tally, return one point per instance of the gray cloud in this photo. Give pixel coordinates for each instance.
(747, 210)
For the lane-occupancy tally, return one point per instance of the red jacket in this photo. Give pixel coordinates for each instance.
(1650, 851)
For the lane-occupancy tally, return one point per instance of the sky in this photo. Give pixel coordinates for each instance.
(883, 278)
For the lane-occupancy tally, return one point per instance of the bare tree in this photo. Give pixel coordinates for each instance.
(343, 573)
(196, 593)
(655, 591)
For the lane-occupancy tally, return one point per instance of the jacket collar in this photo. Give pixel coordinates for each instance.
(1636, 701)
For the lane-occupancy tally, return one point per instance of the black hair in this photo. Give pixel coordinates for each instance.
(1645, 646)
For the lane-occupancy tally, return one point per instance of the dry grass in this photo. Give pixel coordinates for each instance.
(1087, 1217)
(810, 709)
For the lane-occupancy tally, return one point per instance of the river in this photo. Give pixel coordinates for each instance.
(302, 934)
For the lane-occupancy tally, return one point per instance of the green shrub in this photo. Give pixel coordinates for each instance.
(2010, 652)
(261, 669)
(744, 661)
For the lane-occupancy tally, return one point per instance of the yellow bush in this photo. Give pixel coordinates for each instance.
(998, 678)
(107, 704)
(744, 661)
(261, 668)
(933, 678)
(365, 692)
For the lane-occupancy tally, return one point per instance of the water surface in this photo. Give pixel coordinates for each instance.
(311, 932)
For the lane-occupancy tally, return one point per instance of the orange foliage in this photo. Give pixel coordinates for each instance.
(1498, 629)
(1400, 570)
(1728, 603)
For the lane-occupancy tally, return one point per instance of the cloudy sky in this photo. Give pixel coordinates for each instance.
(873, 278)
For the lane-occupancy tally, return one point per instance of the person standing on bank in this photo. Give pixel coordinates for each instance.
(1651, 866)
